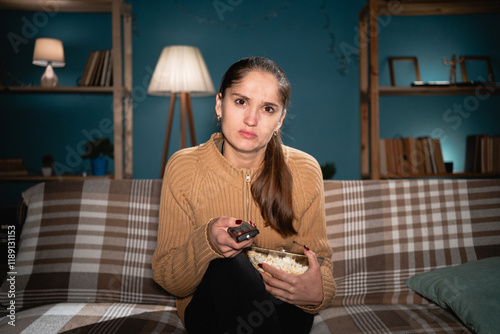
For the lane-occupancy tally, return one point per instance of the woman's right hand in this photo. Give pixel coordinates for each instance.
(219, 236)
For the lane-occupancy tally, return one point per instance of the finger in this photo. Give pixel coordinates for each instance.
(277, 292)
(278, 274)
(312, 259)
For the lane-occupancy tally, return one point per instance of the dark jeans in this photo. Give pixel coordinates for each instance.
(232, 299)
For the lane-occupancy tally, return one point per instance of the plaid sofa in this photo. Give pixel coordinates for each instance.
(83, 263)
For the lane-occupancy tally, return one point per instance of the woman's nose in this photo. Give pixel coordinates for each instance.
(251, 117)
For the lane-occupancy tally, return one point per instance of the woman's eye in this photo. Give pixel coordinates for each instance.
(240, 102)
(269, 109)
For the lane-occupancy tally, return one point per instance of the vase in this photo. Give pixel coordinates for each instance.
(99, 166)
(46, 171)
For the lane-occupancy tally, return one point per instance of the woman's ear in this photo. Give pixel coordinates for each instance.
(281, 120)
(218, 105)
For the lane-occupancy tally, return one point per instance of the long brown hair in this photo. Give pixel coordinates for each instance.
(272, 189)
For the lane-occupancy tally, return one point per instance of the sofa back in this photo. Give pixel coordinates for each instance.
(383, 232)
(92, 241)
(88, 241)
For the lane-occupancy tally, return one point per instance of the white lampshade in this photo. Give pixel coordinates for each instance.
(48, 51)
(181, 68)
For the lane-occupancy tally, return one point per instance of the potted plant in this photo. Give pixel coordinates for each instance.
(98, 151)
(47, 164)
(329, 169)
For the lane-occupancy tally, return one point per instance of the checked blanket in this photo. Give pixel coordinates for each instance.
(383, 232)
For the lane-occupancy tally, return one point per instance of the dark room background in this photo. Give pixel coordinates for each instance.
(315, 42)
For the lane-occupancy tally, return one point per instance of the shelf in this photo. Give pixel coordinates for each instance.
(41, 178)
(416, 8)
(121, 38)
(438, 91)
(372, 17)
(75, 6)
(56, 90)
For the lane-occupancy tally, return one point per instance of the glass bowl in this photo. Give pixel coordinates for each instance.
(290, 262)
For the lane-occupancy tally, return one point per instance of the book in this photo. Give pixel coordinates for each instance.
(86, 70)
(441, 168)
(474, 153)
(399, 156)
(104, 68)
(420, 157)
(109, 74)
(425, 154)
(412, 155)
(98, 70)
(12, 167)
(382, 157)
(87, 76)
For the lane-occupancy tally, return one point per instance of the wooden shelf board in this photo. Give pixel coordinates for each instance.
(438, 90)
(457, 7)
(79, 6)
(56, 90)
(41, 178)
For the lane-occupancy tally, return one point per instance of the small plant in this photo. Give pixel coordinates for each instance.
(97, 148)
(329, 169)
(48, 160)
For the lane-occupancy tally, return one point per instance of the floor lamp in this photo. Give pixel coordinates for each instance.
(180, 71)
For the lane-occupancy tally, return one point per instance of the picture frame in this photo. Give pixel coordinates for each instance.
(487, 61)
(395, 59)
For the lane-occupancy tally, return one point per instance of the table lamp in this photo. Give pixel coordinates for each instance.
(180, 70)
(49, 52)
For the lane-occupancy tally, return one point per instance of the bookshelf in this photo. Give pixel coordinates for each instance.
(121, 90)
(370, 91)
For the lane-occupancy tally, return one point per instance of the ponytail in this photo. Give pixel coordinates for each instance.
(272, 189)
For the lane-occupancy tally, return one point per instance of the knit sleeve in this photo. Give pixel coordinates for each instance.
(183, 250)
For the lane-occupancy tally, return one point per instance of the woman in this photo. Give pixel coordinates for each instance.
(244, 173)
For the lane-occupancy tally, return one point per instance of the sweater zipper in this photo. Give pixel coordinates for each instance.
(247, 180)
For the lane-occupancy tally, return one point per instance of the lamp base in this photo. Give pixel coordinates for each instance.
(49, 78)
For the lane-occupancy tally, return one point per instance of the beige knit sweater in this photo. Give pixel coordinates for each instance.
(200, 184)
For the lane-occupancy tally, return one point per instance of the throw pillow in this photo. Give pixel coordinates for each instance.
(471, 290)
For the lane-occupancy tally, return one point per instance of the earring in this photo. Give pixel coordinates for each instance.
(275, 133)
(218, 118)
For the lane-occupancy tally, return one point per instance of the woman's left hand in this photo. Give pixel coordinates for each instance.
(305, 289)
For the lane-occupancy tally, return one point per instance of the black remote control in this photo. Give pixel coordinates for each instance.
(243, 232)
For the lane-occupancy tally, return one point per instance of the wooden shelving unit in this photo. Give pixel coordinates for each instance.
(370, 91)
(121, 27)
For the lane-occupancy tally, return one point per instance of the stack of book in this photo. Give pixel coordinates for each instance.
(99, 69)
(411, 157)
(482, 154)
(12, 167)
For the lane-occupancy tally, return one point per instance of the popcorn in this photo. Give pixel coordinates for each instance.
(281, 260)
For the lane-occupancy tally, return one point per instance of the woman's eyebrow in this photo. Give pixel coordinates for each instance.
(241, 96)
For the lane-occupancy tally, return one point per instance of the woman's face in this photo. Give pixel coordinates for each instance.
(250, 112)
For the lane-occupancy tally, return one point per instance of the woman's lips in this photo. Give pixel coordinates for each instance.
(247, 134)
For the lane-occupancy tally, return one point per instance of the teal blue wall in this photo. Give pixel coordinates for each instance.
(324, 115)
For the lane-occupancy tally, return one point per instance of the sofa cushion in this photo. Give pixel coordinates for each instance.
(383, 232)
(471, 290)
(86, 242)
(108, 318)
(395, 318)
